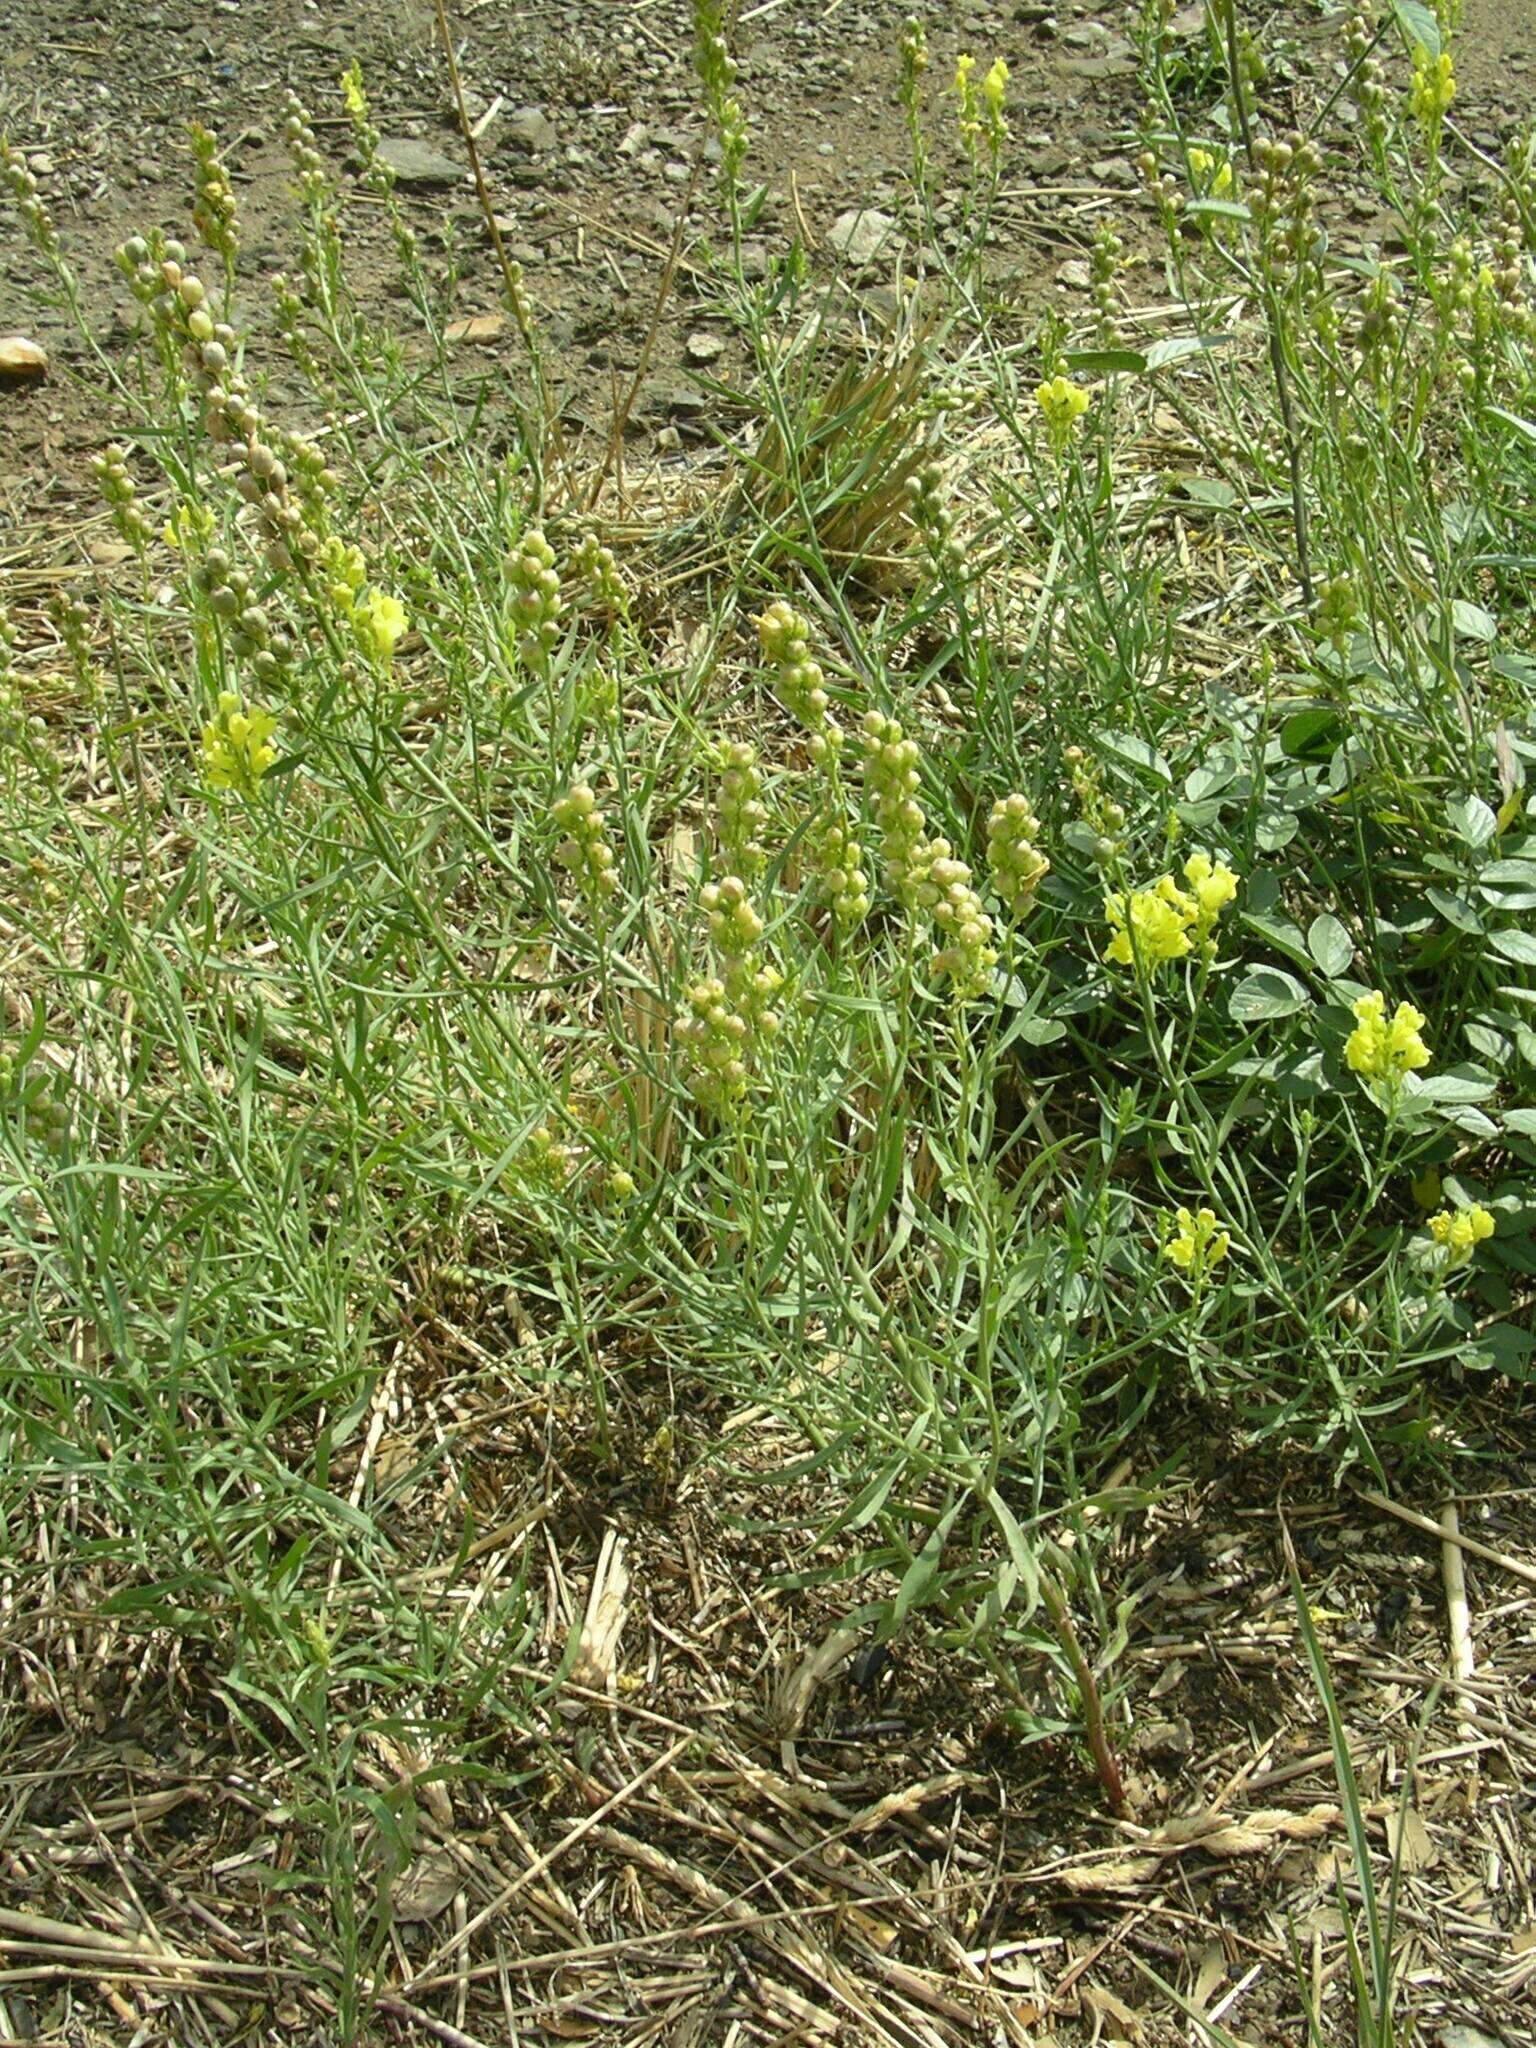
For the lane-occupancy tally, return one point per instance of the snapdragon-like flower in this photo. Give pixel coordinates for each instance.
(1458, 1232)
(1434, 88)
(379, 621)
(1063, 404)
(237, 749)
(1212, 176)
(1196, 1243)
(1163, 923)
(1383, 1050)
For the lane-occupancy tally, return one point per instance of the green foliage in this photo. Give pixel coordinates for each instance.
(963, 1070)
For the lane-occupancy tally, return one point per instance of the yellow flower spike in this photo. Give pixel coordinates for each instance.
(1459, 1232)
(1196, 1243)
(189, 528)
(379, 622)
(1063, 404)
(1382, 1050)
(237, 749)
(1434, 87)
(1147, 927)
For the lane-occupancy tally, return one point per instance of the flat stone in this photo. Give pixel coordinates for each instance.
(530, 128)
(22, 361)
(482, 328)
(861, 234)
(704, 348)
(418, 164)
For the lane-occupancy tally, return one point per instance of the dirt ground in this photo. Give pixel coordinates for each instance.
(589, 128)
(894, 1865)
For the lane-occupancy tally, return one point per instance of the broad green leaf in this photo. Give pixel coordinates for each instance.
(1209, 491)
(1266, 993)
(1472, 622)
(1131, 748)
(1178, 348)
(1471, 820)
(1418, 24)
(1106, 362)
(1312, 735)
(1330, 944)
(1518, 946)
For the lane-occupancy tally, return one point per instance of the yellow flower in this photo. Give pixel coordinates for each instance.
(352, 92)
(994, 88)
(1196, 1243)
(189, 528)
(1148, 927)
(1459, 1232)
(1214, 886)
(379, 621)
(1212, 179)
(347, 571)
(1383, 1051)
(1063, 404)
(236, 746)
(1165, 922)
(969, 116)
(1434, 87)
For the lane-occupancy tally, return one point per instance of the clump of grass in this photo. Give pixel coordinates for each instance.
(932, 1016)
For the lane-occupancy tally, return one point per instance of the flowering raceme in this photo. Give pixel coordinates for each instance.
(1165, 922)
(1459, 1232)
(1063, 404)
(379, 621)
(1196, 1244)
(1384, 1051)
(237, 749)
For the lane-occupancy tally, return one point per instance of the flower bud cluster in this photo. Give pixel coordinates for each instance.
(1282, 198)
(1367, 87)
(965, 951)
(1337, 612)
(923, 872)
(729, 1019)
(1017, 865)
(246, 621)
(214, 212)
(892, 778)
(1104, 267)
(284, 476)
(537, 607)
(1100, 813)
(72, 622)
(741, 815)
(110, 469)
(307, 160)
(785, 638)
(584, 849)
(717, 73)
(597, 567)
(933, 515)
(545, 1162)
(22, 180)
